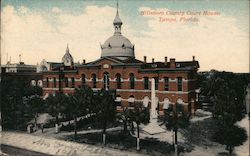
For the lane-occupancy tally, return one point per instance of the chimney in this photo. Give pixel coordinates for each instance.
(166, 61)
(153, 60)
(193, 58)
(83, 61)
(145, 59)
(172, 63)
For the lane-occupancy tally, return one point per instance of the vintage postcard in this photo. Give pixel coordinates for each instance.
(116, 77)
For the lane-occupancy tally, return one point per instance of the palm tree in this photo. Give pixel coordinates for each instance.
(138, 114)
(106, 110)
(124, 116)
(55, 105)
(79, 105)
(175, 118)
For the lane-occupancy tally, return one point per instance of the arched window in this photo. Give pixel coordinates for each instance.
(33, 83)
(166, 103)
(118, 81)
(132, 81)
(106, 80)
(94, 80)
(179, 105)
(131, 100)
(40, 83)
(146, 83)
(83, 80)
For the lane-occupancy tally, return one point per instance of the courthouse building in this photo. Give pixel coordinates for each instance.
(118, 69)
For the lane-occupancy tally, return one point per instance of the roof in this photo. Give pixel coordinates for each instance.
(183, 64)
(115, 61)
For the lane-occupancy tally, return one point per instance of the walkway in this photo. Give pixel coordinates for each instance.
(53, 146)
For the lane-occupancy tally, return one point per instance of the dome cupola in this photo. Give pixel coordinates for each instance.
(117, 45)
(67, 59)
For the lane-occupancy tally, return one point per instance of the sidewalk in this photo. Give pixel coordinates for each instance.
(56, 147)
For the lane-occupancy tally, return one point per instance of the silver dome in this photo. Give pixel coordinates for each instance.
(117, 45)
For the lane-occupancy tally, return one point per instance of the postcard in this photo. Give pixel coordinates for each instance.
(116, 77)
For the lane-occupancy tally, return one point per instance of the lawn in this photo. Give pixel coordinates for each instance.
(118, 140)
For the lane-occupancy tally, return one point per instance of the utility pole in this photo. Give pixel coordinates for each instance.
(20, 58)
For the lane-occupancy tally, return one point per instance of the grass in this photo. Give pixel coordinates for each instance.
(202, 130)
(121, 141)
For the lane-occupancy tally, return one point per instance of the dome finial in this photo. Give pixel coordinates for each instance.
(117, 7)
(67, 49)
(117, 21)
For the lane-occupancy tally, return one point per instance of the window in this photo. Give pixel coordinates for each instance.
(179, 83)
(66, 82)
(54, 82)
(132, 81)
(146, 83)
(72, 82)
(131, 100)
(106, 80)
(94, 80)
(118, 81)
(156, 83)
(166, 83)
(33, 83)
(47, 82)
(83, 80)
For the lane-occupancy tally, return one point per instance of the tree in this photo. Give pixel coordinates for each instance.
(124, 116)
(138, 114)
(175, 118)
(228, 111)
(79, 104)
(230, 136)
(55, 104)
(226, 92)
(106, 109)
(33, 105)
(14, 91)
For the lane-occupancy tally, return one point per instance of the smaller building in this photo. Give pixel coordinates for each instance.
(18, 67)
(22, 73)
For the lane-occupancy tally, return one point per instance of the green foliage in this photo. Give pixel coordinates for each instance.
(226, 92)
(56, 104)
(124, 116)
(139, 114)
(230, 136)
(105, 106)
(176, 117)
(33, 105)
(14, 95)
(218, 86)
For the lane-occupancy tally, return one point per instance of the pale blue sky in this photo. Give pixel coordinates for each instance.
(239, 9)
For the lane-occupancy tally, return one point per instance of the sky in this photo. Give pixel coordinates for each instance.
(41, 29)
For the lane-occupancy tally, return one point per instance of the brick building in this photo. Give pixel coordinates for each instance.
(118, 69)
(22, 73)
